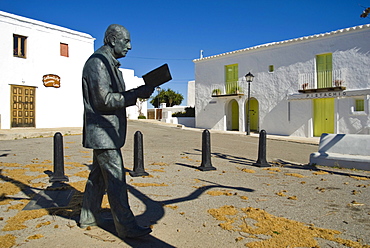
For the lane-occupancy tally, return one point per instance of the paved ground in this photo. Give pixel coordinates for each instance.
(237, 205)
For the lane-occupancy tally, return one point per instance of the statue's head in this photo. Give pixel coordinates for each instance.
(118, 39)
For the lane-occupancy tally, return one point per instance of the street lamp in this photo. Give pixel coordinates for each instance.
(249, 78)
(158, 89)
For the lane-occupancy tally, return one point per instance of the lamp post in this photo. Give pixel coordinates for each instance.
(249, 78)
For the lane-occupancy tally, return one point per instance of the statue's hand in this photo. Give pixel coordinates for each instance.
(144, 91)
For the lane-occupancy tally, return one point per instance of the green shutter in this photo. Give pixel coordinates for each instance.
(231, 73)
(324, 68)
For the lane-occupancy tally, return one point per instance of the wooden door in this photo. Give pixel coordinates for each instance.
(23, 106)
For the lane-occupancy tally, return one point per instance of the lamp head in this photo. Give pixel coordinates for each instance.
(249, 77)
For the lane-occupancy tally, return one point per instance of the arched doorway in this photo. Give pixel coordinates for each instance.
(232, 116)
(253, 114)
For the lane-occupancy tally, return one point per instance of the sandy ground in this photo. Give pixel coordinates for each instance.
(238, 205)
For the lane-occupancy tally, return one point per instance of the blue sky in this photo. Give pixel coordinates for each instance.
(174, 31)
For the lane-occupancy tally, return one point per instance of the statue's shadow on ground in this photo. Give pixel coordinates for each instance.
(155, 211)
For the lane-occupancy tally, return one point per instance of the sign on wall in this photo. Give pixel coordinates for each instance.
(51, 80)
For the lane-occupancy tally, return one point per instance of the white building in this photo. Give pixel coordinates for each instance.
(302, 87)
(30, 49)
(191, 94)
(131, 82)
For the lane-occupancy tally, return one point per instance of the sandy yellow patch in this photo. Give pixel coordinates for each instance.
(281, 193)
(244, 197)
(294, 175)
(36, 236)
(149, 184)
(225, 213)
(219, 192)
(80, 185)
(222, 212)
(171, 206)
(360, 178)
(3, 164)
(18, 175)
(105, 202)
(158, 170)
(320, 173)
(18, 206)
(272, 169)
(43, 224)
(85, 151)
(277, 231)
(9, 188)
(248, 170)
(16, 222)
(39, 167)
(7, 241)
(75, 164)
(84, 174)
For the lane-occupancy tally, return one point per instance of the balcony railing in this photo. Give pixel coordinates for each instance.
(228, 89)
(325, 80)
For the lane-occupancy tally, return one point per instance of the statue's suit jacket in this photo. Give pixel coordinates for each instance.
(105, 101)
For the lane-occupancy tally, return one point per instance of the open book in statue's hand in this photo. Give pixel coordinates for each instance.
(157, 76)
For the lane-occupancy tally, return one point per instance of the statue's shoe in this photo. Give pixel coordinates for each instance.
(137, 231)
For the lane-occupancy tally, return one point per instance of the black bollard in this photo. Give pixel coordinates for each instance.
(58, 175)
(261, 161)
(138, 156)
(206, 152)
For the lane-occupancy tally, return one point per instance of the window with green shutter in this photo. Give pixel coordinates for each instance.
(231, 78)
(231, 73)
(324, 67)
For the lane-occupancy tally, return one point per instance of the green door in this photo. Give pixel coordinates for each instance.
(234, 116)
(323, 116)
(324, 68)
(253, 114)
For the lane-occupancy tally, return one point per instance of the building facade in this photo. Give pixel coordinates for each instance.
(131, 82)
(41, 68)
(302, 87)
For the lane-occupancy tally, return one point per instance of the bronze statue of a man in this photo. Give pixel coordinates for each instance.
(105, 100)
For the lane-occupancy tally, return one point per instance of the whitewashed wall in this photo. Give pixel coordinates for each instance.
(55, 107)
(350, 49)
(131, 82)
(191, 94)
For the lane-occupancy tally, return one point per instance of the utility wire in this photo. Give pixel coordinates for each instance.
(134, 57)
